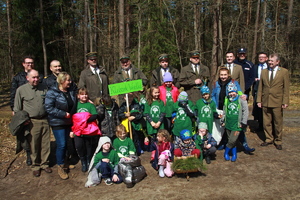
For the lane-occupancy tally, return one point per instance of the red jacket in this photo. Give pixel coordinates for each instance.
(163, 93)
(82, 127)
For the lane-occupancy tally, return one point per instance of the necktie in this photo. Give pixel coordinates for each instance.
(99, 78)
(196, 69)
(271, 77)
(229, 68)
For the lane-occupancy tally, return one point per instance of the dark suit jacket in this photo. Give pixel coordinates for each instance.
(275, 94)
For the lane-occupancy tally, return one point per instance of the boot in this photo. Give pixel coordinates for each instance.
(84, 166)
(28, 159)
(61, 172)
(168, 170)
(226, 153)
(207, 159)
(161, 171)
(243, 140)
(234, 154)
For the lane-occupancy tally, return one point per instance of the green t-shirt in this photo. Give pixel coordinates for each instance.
(232, 115)
(154, 110)
(86, 107)
(169, 102)
(124, 147)
(112, 156)
(206, 113)
(182, 121)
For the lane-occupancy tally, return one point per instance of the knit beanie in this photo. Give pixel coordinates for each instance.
(185, 134)
(183, 96)
(168, 77)
(204, 90)
(104, 140)
(231, 87)
(202, 125)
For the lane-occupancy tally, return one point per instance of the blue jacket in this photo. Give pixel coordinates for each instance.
(217, 89)
(248, 72)
(56, 106)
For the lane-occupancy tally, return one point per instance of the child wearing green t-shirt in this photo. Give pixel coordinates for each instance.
(236, 115)
(154, 113)
(85, 129)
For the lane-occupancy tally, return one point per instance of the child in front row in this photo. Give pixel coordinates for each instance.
(154, 113)
(106, 162)
(125, 148)
(162, 153)
(236, 116)
(185, 145)
(205, 141)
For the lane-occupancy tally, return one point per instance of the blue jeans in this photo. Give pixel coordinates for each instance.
(61, 137)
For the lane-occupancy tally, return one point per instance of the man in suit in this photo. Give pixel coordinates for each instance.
(273, 97)
(94, 77)
(262, 64)
(158, 73)
(193, 76)
(235, 70)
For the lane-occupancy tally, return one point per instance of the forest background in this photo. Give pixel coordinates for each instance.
(67, 29)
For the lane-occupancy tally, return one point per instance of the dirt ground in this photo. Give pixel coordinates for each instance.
(267, 174)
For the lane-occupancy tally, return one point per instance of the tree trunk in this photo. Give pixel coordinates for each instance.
(43, 37)
(263, 30)
(256, 31)
(196, 26)
(127, 49)
(220, 33)
(214, 53)
(121, 28)
(85, 30)
(10, 49)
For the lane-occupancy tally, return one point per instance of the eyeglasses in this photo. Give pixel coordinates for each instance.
(29, 63)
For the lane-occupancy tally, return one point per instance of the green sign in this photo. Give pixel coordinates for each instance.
(125, 87)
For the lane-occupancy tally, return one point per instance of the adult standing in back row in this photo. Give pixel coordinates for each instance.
(247, 69)
(159, 72)
(194, 76)
(94, 78)
(273, 97)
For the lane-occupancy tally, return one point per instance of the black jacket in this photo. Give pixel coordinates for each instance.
(50, 81)
(56, 106)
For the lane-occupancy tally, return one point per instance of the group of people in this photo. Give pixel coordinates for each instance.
(181, 114)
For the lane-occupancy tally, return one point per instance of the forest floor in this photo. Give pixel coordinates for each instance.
(266, 174)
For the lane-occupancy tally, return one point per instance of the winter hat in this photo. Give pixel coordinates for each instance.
(183, 96)
(104, 140)
(231, 87)
(185, 134)
(202, 125)
(168, 77)
(204, 90)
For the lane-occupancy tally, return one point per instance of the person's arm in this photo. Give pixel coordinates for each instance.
(92, 118)
(245, 113)
(18, 101)
(13, 89)
(50, 105)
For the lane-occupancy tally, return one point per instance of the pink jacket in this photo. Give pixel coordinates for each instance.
(163, 93)
(82, 127)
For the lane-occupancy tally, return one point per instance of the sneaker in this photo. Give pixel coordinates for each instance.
(62, 173)
(161, 171)
(108, 181)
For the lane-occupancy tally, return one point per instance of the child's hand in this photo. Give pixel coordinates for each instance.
(115, 178)
(236, 133)
(220, 116)
(127, 114)
(146, 140)
(72, 135)
(131, 118)
(208, 146)
(127, 158)
(105, 160)
(157, 125)
(153, 124)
